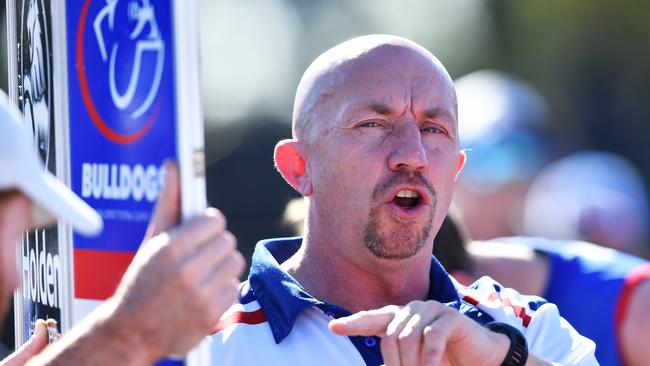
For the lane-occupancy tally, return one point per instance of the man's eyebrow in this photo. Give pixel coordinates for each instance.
(380, 107)
(433, 112)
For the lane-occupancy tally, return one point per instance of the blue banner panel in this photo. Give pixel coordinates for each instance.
(122, 112)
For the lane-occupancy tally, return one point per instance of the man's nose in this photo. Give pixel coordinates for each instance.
(407, 152)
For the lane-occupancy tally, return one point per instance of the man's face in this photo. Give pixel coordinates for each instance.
(15, 217)
(385, 155)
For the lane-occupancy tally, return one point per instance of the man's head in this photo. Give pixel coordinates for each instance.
(375, 147)
(30, 196)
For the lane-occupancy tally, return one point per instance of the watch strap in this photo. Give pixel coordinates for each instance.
(518, 351)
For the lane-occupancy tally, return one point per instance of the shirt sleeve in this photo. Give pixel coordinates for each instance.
(549, 336)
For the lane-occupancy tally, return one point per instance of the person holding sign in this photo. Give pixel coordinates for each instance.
(375, 151)
(178, 285)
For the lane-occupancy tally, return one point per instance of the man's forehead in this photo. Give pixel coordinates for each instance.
(366, 68)
(374, 54)
(387, 92)
(389, 107)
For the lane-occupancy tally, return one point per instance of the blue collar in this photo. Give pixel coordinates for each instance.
(282, 299)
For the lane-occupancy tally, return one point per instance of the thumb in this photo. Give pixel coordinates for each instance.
(167, 211)
(365, 323)
(31, 348)
(39, 338)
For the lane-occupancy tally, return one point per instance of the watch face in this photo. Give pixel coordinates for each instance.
(35, 73)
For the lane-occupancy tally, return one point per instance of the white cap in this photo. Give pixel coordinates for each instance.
(22, 169)
(504, 122)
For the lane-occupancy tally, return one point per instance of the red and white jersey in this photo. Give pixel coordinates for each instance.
(276, 322)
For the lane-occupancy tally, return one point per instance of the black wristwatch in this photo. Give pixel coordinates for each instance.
(518, 352)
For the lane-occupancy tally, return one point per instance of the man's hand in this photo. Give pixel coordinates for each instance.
(29, 349)
(426, 333)
(181, 280)
(179, 284)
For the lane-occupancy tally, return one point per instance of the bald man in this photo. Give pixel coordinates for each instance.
(375, 151)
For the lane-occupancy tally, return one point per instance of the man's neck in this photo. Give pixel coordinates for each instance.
(355, 287)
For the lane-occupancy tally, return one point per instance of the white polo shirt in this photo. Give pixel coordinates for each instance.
(276, 322)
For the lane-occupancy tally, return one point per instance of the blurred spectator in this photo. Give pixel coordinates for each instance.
(503, 123)
(603, 293)
(591, 195)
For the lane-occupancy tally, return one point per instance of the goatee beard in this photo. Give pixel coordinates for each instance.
(402, 242)
(398, 247)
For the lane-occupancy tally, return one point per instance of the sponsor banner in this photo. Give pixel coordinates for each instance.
(124, 105)
(97, 82)
(122, 127)
(42, 257)
(122, 117)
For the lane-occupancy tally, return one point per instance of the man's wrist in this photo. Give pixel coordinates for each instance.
(115, 326)
(517, 350)
(501, 345)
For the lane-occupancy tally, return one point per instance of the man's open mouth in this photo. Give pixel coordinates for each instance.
(407, 198)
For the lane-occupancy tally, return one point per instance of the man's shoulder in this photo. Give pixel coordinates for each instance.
(242, 331)
(501, 303)
(245, 311)
(546, 332)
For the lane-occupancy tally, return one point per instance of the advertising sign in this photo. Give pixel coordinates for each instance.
(42, 260)
(125, 79)
(110, 90)
(122, 127)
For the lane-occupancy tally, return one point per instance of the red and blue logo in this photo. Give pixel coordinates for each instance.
(122, 125)
(121, 58)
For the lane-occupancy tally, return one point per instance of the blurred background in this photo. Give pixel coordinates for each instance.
(553, 107)
(585, 63)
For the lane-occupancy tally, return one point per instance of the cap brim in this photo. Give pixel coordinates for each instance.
(57, 200)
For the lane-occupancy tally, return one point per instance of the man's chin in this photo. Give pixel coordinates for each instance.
(389, 238)
(397, 244)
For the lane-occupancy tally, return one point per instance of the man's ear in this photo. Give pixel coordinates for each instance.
(290, 162)
(462, 159)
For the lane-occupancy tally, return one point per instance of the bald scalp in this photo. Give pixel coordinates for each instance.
(329, 70)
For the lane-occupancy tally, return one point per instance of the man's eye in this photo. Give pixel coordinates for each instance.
(369, 124)
(432, 129)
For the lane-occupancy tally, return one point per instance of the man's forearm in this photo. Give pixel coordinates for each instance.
(100, 339)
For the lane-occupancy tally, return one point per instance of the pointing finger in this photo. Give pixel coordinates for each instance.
(365, 323)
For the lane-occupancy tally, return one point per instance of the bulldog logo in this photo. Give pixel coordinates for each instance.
(125, 54)
(144, 17)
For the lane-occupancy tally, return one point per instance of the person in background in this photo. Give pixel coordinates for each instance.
(590, 195)
(375, 153)
(174, 291)
(605, 294)
(504, 125)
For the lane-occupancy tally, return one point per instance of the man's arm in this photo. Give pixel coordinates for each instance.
(178, 285)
